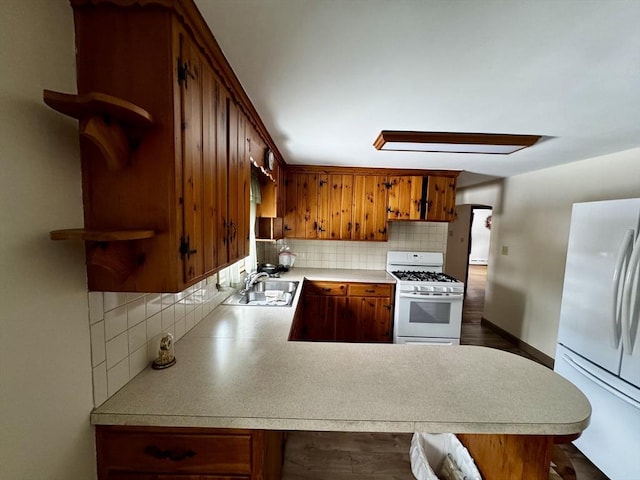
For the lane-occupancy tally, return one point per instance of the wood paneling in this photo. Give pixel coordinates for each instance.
(174, 180)
(516, 457)
(341, 206)
(441, 199)
(344, 312)
(189, 453)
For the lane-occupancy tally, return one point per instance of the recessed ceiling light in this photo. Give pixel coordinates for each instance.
(495, 143)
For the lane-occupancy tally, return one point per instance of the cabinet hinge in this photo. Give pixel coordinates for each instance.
(185, 247)
(184, 73)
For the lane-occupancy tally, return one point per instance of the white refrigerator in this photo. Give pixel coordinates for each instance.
(598, 339)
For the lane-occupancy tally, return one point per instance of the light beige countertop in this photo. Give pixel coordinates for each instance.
(236, 369)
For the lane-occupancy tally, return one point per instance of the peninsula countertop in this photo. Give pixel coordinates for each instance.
(237, 369)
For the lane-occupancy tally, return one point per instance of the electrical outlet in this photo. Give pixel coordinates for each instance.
(505, 250)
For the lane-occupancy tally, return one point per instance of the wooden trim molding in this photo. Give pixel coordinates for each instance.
(369, 171)
(543, 358)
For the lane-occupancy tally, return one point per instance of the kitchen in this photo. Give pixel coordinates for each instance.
(46, 359)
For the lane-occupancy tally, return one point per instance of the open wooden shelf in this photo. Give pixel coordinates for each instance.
(113, 125)
(111, 251)
(100, 235)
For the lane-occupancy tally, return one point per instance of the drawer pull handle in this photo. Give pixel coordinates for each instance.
(174, 456)
(370, 291)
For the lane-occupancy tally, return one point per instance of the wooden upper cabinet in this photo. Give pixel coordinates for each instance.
(239, 186)
(301, 215)
(427, 198)
(187, 179)
(335, 206)
(369, 208)
(341, 206)
(441, 199)
(196, 160)
(406, 198)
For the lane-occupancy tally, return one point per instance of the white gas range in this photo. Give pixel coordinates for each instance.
(428, 302)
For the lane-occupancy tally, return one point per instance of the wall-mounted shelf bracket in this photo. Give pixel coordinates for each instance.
(113, 125)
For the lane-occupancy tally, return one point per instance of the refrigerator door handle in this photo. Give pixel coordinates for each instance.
(629, 301)
(618, 275)
(602, 384)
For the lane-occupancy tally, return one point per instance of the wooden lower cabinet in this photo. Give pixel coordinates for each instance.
(152, 476)
(170, 453)
(344, 312)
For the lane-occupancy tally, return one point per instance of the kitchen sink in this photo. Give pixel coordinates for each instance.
(270, 293)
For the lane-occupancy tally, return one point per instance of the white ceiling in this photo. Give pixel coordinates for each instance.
(327, 75)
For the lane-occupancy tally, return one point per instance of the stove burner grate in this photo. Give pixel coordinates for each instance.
(425, 277)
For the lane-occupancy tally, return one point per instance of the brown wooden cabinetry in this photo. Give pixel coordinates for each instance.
(344, 312)
(188, 453)
(179, 167)
(428, 198)
(335, 206)
(406, 198)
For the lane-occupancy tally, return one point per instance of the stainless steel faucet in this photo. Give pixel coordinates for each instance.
(252, 279)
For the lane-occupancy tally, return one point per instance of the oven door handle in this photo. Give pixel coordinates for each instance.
(431, 297)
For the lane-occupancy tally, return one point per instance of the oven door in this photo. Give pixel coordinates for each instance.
(428, 315)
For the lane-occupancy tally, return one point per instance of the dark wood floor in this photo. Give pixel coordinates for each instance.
(365, 456)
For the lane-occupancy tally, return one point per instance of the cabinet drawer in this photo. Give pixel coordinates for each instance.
(370, 290)
(138, 450)
(325, 288)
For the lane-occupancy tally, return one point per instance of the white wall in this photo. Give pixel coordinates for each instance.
(531, 216)
(45, 363)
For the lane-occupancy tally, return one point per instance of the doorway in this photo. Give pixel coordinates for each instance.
(468, 245)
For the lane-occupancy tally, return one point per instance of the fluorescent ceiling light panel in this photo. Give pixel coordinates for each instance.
(493, 143)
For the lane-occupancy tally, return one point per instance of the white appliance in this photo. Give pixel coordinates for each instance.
(598, 341)
(428, 302)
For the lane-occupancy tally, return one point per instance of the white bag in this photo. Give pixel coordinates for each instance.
(429, 451)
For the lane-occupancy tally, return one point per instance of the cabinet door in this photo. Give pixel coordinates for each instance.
(369, 320)
(301, 219)
(239, 181)
(222, 174)
(405, 198)
(323, 229)
(441, 199)
(369, 207)
(244, 187)
(192, 103)
(211, 157)
(341, 207)
(322, 314)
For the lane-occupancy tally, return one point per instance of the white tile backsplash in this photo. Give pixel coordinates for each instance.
(117, 349)
(419, 236)
(96, 307)
(126, 329)
(137, 336)
(117, 376)
(115, 322)
(136, 312)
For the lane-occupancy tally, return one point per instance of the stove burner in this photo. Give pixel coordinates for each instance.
(424, 277)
